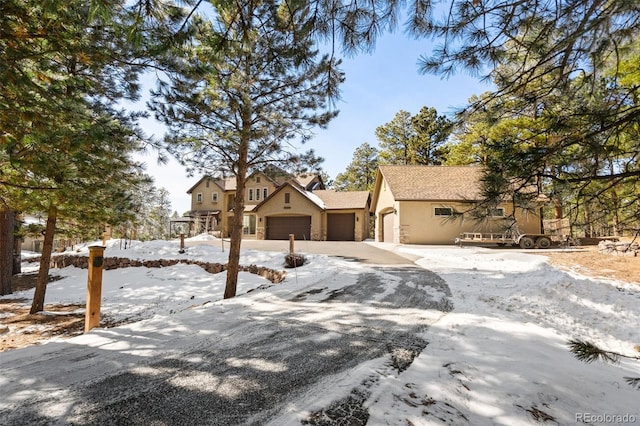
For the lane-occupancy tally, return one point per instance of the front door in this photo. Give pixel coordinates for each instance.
(249, 224)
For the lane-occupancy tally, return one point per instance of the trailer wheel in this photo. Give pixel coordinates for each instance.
(543, 242)
(526, 243)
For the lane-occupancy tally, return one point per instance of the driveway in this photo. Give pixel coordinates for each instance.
(359, 251)
(243, 361)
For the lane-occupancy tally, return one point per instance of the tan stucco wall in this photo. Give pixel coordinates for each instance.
(298, 206)
(252, 183)
(385, 203)
(207, 195)
(418, 223)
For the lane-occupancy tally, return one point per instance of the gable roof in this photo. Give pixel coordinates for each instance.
(421, 183)
(336, 200)
(229, 183)
(293, 184)
(310, 181)
(219, 182)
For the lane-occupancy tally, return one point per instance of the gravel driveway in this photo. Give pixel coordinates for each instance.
(235, 363)
(360, 251)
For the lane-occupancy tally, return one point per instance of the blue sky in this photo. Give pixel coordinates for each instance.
(377, 86)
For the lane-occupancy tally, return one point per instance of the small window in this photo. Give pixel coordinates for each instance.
(207, 183)
(497, 212)
(250, 194)
(257, 194)
(258, 179)
(199, 197)
(214, 197)
(287, 197)
(443, 211)
(265, 193)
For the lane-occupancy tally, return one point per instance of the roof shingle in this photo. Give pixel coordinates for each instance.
(343, 199)
(433, 182)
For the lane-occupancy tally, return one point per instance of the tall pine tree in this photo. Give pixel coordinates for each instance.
(247, 86)
(360, 174)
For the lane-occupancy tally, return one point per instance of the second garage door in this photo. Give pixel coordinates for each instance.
(341, 226)
(279, 228)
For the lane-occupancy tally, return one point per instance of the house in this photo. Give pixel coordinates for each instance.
(318, 215)
(426, 205)
(277, 205)
(212, 199)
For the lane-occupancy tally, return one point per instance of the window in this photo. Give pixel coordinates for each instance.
(497, 212)
(214, 197)
(258, 179)
(207, 183)
(250, 194)
(265, 193)
(199, 197)
(257, 194)
(287, 197)
(443, 211)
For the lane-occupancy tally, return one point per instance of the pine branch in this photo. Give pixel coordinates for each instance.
(634, 382)
(588, 352)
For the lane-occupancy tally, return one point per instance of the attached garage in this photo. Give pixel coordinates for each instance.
(341, 226)
(279, 227)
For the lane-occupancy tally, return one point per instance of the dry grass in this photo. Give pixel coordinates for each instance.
(588, 261)
(19, 329)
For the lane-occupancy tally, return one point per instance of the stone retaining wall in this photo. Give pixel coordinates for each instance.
(64, 260)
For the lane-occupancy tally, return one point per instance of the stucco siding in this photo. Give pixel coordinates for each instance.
(385, 203)
(256, 185)
(206, 194)
(419, 223)
(298, 205)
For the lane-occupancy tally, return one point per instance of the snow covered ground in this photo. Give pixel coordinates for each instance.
(500, 357)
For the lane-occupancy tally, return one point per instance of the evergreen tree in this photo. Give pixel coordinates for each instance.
(418, 139)
(152, 216)
(360, 174)
(470, 136)
(64, 145)
(431, 134)
(395, 139)
(246, 86)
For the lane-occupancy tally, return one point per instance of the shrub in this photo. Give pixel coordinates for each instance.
(294, 260)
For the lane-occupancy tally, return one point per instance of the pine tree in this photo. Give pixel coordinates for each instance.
(246, 86)
(395, 139)
(431, 134)
(360, 174)
(418, 139)
(64, 145)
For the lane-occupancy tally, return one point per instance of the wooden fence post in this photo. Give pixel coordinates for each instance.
(94, 287)
(181, 243)
(291, 244)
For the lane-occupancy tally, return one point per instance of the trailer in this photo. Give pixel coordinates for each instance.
(525, 241)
